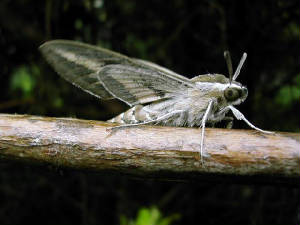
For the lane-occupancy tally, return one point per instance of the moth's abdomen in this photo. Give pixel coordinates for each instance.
(133, 115)
(171, 112)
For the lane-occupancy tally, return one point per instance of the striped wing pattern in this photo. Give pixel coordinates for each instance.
(107, 74)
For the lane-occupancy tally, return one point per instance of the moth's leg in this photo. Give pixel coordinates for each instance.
(240, 116)
(163, 117)
(228, 121)
(204, 119)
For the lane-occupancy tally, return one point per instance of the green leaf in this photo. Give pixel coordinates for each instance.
(149, 216)
(23, 79)
(288, 94)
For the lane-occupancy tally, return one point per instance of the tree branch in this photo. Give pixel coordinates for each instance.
(170, 153)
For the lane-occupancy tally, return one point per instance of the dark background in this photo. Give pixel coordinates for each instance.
(188, 37)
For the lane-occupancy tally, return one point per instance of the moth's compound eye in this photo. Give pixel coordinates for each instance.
(244, 91)
(231, 94)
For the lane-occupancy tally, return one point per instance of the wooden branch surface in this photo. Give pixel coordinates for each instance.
(170, 153)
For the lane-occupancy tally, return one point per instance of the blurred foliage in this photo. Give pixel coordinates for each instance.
(188, 37)
(289, 94)
(149, 216)
(22, 80)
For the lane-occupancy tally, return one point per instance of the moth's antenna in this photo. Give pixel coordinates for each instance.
(229, 64)
(238, 69)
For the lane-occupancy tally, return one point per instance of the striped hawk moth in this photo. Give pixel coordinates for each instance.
(156, 95)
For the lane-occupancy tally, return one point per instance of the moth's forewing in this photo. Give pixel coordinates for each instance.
(79, 63)
(107, 74)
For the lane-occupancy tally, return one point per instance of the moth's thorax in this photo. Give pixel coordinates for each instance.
(226, 93)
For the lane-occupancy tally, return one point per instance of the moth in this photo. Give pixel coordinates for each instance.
(156, 95)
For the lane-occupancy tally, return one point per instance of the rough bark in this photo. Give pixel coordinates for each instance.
(171, 153)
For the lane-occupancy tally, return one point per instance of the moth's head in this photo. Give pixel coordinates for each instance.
(235, 93)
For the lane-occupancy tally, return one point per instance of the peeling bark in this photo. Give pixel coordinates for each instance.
(172, 153)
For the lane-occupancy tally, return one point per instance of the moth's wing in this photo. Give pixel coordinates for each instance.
(137, 85)
(79, 63)
(154, 66)
(107, 74)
